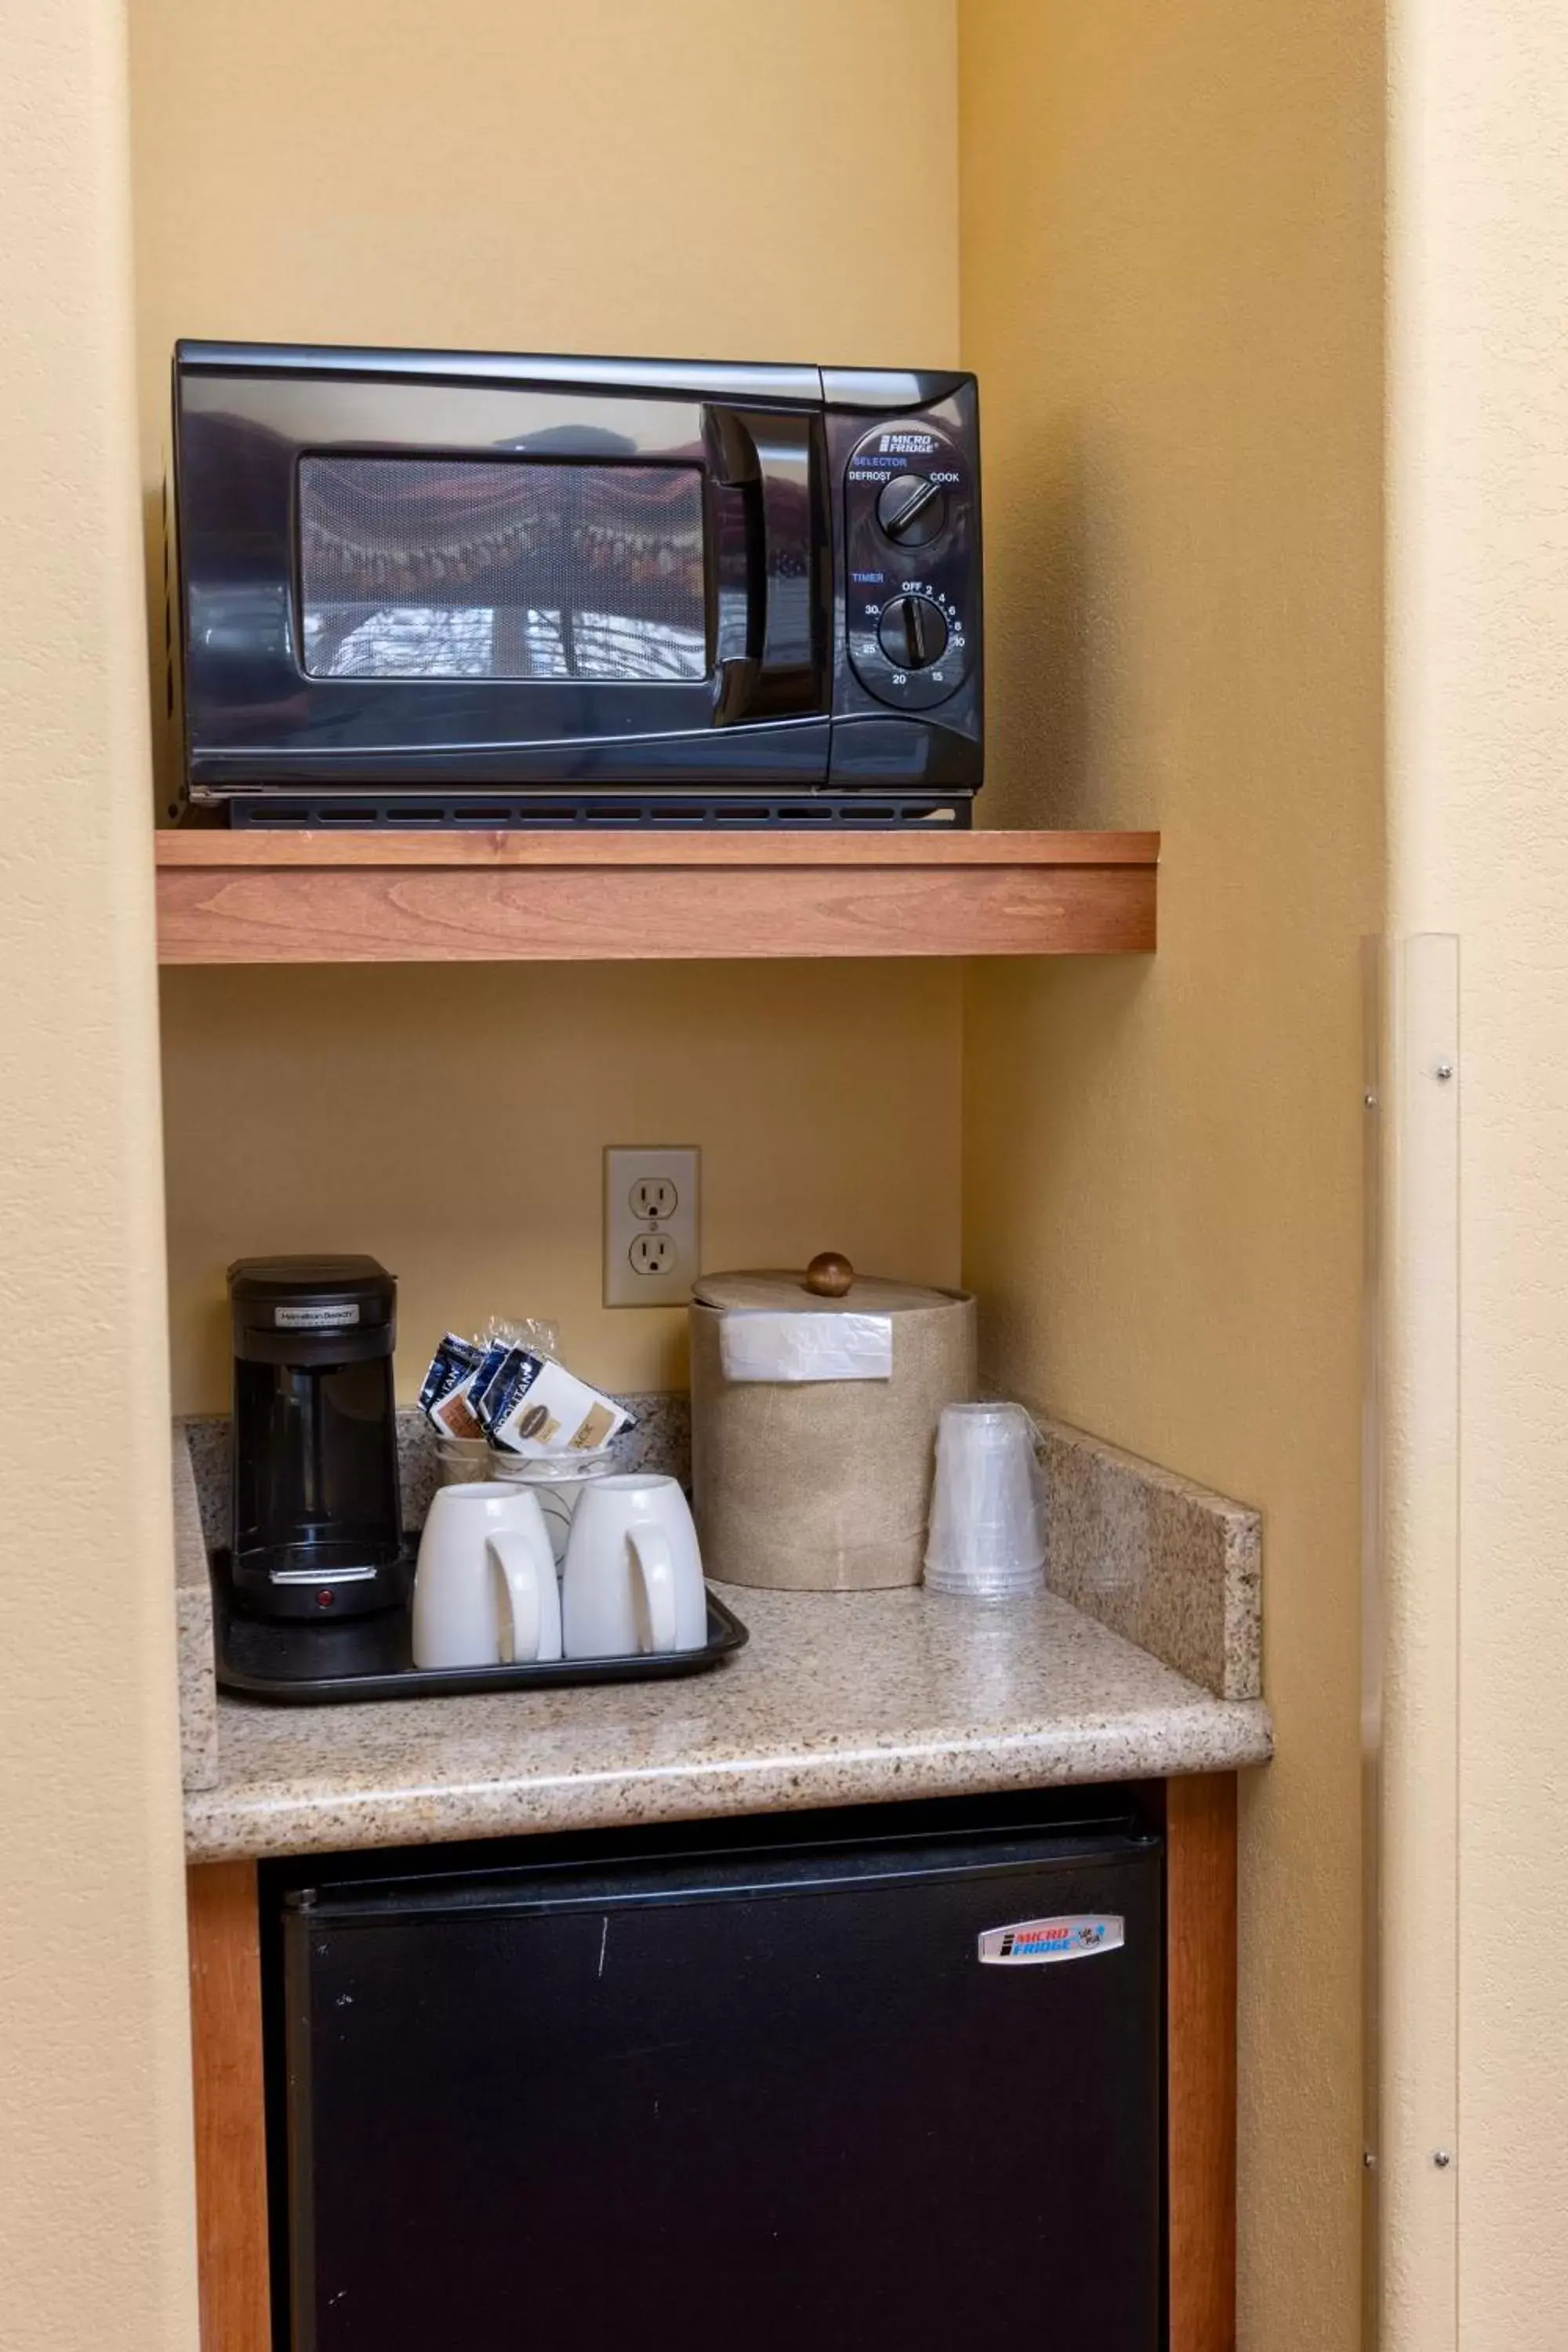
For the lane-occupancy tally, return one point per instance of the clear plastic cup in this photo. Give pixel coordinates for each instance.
(558, 1480)
(986, 1537)
(460, 1461)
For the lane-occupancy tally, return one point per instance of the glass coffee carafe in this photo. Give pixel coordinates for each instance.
(316, 1526)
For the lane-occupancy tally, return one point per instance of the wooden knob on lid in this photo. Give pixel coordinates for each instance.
(829, 1276)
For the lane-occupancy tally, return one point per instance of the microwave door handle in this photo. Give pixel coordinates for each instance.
(740, 561)
(768, 468)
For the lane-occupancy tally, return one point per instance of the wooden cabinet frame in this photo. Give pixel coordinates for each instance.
(232, 2254)
(1200, 2060)
(1201, 1984)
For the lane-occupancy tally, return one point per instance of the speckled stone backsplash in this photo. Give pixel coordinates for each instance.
(1169, 1564)
(193, 1625)
(661, 1439)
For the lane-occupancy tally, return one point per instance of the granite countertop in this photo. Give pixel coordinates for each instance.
(840, 1699)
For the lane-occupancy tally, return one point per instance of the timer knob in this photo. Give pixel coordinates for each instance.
(912, 632)
(910, 511)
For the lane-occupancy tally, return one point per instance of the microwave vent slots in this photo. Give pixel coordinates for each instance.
(850, 812)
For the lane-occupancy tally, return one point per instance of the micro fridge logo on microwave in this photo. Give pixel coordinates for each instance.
(1029, 1943)
(907, 444)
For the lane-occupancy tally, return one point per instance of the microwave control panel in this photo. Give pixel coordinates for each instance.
(909, 548)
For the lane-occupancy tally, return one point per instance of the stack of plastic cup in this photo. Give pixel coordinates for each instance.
(986, 1535)
(462, 1460)
(557, 1481)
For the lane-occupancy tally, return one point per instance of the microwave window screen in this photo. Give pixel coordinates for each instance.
(418, 567)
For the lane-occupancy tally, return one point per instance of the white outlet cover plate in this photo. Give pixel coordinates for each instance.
(628, 1165)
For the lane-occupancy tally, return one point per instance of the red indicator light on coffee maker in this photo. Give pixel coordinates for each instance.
(324, 1599)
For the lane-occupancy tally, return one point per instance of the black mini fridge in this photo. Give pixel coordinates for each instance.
(889, 2079)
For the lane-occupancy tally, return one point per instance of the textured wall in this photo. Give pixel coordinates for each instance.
(95, 2226)
(1479, 574)
(1172, 291)
(333, 1103)
(698, 178)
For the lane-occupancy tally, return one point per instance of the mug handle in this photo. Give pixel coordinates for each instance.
(519, 1576)
(650, 1549)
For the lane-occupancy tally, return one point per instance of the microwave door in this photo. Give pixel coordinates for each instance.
(386, 590)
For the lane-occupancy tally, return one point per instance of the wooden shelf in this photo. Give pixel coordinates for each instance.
(498, 898)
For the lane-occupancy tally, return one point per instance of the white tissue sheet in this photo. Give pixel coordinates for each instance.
(762, 1344)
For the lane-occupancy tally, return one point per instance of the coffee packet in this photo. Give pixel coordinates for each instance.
(534, 1406)
(446, 1391)
(492, 1359)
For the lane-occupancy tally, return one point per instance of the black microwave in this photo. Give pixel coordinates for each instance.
(452, 588)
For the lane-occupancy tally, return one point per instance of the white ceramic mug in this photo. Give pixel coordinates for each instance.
(485, 1591)
(634, 1574)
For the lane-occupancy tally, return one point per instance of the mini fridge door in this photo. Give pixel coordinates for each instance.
(809, 2100)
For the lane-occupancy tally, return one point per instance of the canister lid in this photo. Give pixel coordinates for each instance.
(779, 1290)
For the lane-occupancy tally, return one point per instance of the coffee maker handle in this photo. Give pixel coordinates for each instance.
(514, 1562)
(650, 1547)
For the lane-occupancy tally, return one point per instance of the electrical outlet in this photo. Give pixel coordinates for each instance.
(654, 1196)
(650, 1224)
(652, 1253)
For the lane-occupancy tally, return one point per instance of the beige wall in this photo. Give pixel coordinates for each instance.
(311, 1107)
(706, 178)
(96, 2231)
(1479, 637)
(1170, 281)
(696, 178)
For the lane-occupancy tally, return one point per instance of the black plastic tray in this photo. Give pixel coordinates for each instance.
(307, 1665)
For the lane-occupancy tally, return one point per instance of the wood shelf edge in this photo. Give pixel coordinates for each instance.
(215, 849)
(456, 897)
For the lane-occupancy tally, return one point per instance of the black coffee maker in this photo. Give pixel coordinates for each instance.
(317, 1525)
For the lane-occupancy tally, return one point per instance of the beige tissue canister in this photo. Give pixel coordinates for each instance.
(815, 1402)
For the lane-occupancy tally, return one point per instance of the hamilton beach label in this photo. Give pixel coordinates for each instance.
(316, 1318)
(1029, 1943)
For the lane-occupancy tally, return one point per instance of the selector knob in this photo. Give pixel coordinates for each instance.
(912, 632)
(910, 511)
